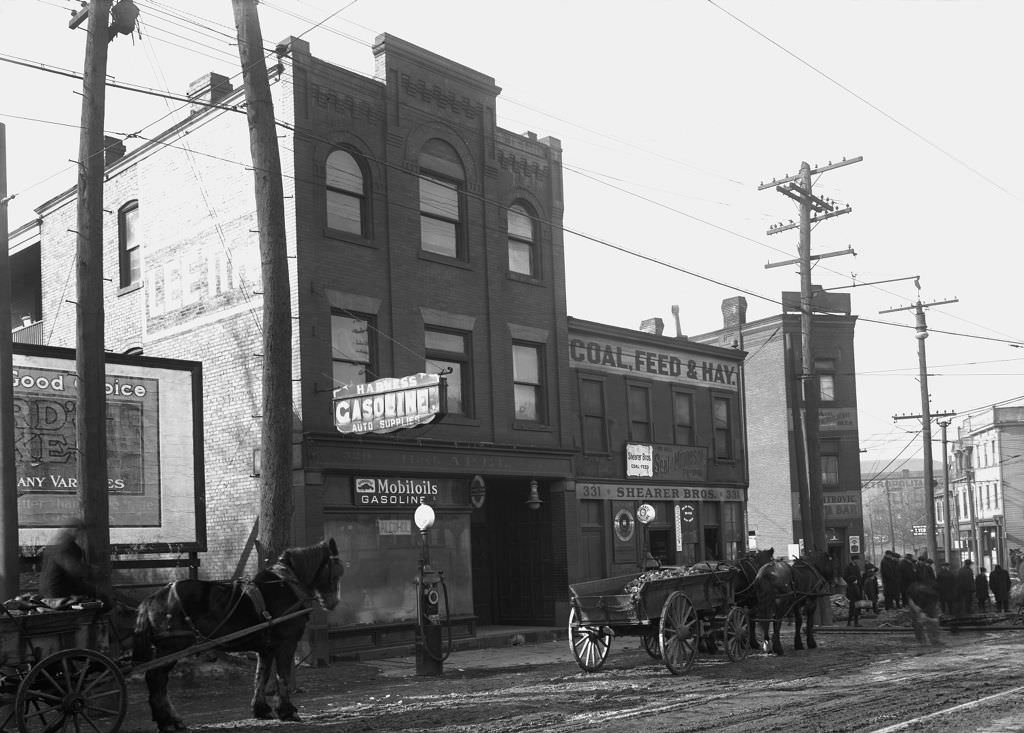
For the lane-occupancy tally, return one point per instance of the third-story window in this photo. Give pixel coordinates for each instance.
(441, 181)
(346, 195)
(639, 413)
(722, 418)
(682, 405)
(527, 386)
(447, 350)
(521, 242)
(592, 412)
(352, 349)
(130, 254)
(826, 370)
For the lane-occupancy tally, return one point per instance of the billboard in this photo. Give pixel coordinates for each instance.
(155, 475)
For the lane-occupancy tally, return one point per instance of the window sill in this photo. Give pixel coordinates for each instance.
(443, 260)
(460, 420)
(349, 237)
(535, 427)
(526, 279)
(130, 288)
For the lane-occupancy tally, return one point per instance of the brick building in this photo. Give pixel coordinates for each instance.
(771, 370)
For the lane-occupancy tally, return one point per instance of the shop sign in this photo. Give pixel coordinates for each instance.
(668, 365)
(842, 505)
(390, 492)
(639, 460)
(652, 492)
(624, 525)
(389, 404)
(837, 418)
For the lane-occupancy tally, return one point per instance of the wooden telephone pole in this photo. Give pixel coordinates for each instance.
(798, 188)
(9, 562)
(276, 505)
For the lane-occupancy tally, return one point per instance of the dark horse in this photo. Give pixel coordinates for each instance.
(783, 589)
(189, 612)
(746, 589)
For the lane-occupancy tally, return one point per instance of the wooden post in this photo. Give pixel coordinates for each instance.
(276, 504)
(9, 566)
(91, 417)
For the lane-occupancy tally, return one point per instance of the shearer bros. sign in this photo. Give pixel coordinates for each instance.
(389, 404)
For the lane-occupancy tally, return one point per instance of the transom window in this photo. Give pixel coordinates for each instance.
(346, 194)
(521, 242)
(129, 252)
(449, 351)
(352, 349)
(527, 386)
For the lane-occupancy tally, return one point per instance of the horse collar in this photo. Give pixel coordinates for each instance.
(288, 576)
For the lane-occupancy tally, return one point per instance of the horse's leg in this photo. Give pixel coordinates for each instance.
(285, 661)
(776, 642)
(164, 714)
(798, 622)
(812, 607)
(260, 708)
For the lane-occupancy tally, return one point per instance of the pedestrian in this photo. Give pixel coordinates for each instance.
(981, 589)
(965, 589)
(925, 571)
(907, 576)
(946, 582)
(854, 595)
(999, 584)
(852, 572)
(890, 580)
(869, 586)
(65, 572)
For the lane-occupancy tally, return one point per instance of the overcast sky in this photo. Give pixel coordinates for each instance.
(670, 115)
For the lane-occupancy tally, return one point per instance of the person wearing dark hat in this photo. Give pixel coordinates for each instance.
(946, 581)
(981, 589)
(999, 584)
(869, 586)
(965, 589)
(907, 576)
(924, 570)
(890, 580)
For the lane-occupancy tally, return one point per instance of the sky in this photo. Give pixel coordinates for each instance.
(671, 113)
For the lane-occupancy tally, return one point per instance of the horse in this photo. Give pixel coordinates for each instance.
(783, 589)
(186, 612)
(746, 593)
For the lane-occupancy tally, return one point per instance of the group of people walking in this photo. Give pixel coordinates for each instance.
(960, 594)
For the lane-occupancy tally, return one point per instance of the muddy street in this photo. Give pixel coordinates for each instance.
(870, 681)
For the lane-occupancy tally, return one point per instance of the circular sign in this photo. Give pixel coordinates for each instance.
(645, 514)
(624, 525)
(687, 513)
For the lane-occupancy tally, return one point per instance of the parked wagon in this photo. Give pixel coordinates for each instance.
(674, 610)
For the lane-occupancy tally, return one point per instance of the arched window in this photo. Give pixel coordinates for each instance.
(346, 194)
(129, 252)
(442, 180)
(522, 242)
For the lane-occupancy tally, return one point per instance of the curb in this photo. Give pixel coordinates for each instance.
(469, 643)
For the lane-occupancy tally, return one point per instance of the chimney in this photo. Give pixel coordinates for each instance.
(113, 150)
(209, 89)
(652, 325)
(734, 311)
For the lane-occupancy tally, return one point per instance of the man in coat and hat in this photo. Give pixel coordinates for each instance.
(999, 584)
(965, 589)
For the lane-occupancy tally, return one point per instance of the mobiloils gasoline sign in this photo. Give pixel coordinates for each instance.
(389, 404)
(377, 492)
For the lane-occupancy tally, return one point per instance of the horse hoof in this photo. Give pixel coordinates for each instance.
(812, 645)
(263, 712)
(292, 717)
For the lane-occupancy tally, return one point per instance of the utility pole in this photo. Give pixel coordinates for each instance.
(798, 188)
(921, 333)
(276, 505)
(9, 566)
(90, 365)
(947, 526)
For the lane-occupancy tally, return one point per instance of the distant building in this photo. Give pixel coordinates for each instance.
(771, 373)
(986, 476)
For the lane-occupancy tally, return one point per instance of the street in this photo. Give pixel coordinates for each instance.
(867, 680)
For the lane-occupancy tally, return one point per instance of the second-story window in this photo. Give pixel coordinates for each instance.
(346, 194)
(639, 413)
(129, 251)
(829, 465)
(528, 393)
(449, 351)
(521, 242)
(721, 414)
(592, 412)
(682, 405)
(352, 349)
(826, 370)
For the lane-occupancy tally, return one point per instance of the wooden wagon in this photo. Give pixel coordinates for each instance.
(675, 611)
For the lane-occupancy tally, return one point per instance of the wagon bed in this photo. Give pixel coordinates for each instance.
(674, 610)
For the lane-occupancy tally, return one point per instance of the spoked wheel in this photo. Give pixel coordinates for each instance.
(652, 644)
(74, 690)
(590, 645)
(737, 633)
(679, 633)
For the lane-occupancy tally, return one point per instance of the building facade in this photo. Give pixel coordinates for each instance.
(773, 404)
(986, 471)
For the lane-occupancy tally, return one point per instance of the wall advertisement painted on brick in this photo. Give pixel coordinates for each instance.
(154, 450)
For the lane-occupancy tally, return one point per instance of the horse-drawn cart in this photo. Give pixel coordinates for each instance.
(675, 611)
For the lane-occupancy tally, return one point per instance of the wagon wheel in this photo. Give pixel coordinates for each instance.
(74, 689)
(651, 643)
(590, 644)
(737, 630)
(679, 633)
